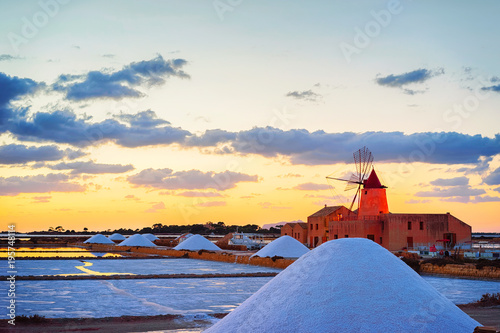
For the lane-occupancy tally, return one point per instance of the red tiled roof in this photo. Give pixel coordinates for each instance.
(326, 211)
(372, 181)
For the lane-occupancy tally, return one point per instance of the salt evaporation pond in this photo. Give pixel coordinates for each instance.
(132, 266)
(144, 297)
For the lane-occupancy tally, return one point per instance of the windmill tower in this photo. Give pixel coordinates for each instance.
(370, 193)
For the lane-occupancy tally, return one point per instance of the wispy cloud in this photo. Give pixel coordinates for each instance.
(457, 181)
(15, 154)
(90, 167)
(190, 180)
(156, 207)
(414, 77)
(13, 186)
(311, 187)
(307, 95)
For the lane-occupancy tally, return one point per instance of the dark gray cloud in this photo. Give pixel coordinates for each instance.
(456, 191)
(12, 186)
(457, 181)
(16, 154)
(307, 95)
(90, 167)
(311, 187)
(146, 119)
(65, 127)
(493, 178)
(11, 89)
(416, 76)
(190, 180)
(497, 189)
(122, 83)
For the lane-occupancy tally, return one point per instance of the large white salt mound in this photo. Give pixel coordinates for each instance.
(285, 246)
(137, 240)
(98, 239)
(196, 243)
(150, 237)
(117, 237)
(347, 285)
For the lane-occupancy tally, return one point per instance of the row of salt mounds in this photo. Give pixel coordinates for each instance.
(99, 239)
(137, 240)
(285, 246)
(117, 237)
(196, 243)
(347, 285)
(150, 237)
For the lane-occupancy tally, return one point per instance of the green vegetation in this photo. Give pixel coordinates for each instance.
(488, 300)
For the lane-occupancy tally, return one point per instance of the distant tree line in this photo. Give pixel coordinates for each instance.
(219, 228)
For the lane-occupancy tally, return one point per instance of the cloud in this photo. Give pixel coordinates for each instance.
(122, 83)
(291, 175)
(189, 180)
(457, 181)
(493, 178)
(15, 154)
(8, 57)
(486, 198)
(307, 95)
(312, 187)
(193, 194)
(131, 197)
(495, 88)
(65, 127)
(482, 165)
(464, 199)
(456, 191)
(315, 148)
(211, 204)
(91, 167)
(11, 89)
(210, 138)
(43, 199)
(497, 189)
(144, 119)
(417, 76)
(156, 207)
(13, 186)
(413, 201)
(269, 205)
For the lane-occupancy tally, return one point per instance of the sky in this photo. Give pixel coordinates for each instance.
(130, 113)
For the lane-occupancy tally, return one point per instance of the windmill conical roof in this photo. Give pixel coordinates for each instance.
(285, 246)
(98, 239)
(137, 240)
(150, 237)
(347, 285)
(196, 243)
(372, 181)
(116, 236)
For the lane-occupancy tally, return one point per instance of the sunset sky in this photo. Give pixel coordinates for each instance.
(129, 113)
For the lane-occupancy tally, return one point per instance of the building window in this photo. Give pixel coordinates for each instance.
(298, 235)
(366, 192)
(421, 225)
(346, 236)
(382, 222)
(380, 240)
(286, 234)
(409, 225)
(311, 226)
(335, 236)
(371, 237)
(317, 226)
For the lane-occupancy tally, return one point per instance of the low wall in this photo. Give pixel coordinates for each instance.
(466, 270)
(203, 255)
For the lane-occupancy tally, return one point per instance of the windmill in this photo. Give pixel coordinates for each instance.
(363, 159)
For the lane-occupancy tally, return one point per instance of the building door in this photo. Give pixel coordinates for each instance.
(409, 242)
(452, 237)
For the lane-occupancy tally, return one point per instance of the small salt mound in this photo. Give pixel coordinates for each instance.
(347, 285)
(285, 246)
(117, 237)
(137, 240)
(150, 237)
(99, 239)
(196, 243)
